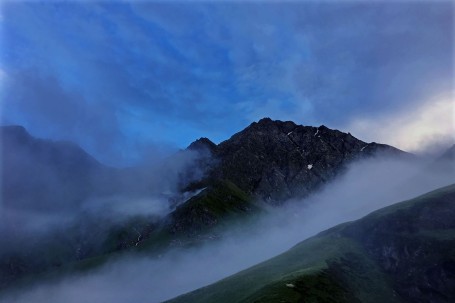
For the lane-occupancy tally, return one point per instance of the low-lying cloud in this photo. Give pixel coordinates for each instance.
(42, 199)
(366, 186)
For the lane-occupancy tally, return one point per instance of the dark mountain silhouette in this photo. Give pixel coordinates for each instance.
(270, 162)
(263, 165)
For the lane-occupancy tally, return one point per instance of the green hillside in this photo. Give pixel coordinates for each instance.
(402, 253)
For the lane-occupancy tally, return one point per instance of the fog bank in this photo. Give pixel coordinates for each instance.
(366, 186)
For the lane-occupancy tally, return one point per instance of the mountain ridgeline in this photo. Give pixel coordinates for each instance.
(43, 175)
(271, 162)
(274, 160)
(260, 167)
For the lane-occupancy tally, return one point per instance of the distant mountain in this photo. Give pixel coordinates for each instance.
(53, 176)
(446, 161)
(449, 154)
(402, 253)
(43, 175)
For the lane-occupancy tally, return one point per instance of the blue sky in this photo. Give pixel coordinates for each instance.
(122, 79)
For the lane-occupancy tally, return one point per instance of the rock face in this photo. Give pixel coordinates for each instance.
(415, 245)
(269, 161)
(275, 160)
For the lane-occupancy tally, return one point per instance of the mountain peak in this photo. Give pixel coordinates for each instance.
(268, 125)
(274, 160)
(201, 144)
(266, 120)
(14, 129)
(14, 132)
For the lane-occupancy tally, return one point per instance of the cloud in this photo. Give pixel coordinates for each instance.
(52, 188)
(429, 126)
(209, 68)
(35, 99)
(365, 187)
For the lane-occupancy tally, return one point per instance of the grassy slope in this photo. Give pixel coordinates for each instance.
(321, 269)
(222, 203)
(334, 266)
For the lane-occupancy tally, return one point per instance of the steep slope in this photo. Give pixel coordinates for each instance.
(275, 160)
(402, 253)
(270, 162)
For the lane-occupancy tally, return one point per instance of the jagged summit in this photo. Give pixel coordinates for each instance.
(202, 143)
(269, 127)
(274, 160)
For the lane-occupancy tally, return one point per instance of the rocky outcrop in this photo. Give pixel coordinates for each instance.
(274, 160)
(415, 245)
(269, 161)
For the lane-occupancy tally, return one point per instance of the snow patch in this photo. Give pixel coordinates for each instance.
(289, 133)
(290, 285)
(189, 195)
(317, 131)
(179, 199)
(363, 148)
(310, 166)
(139, 236)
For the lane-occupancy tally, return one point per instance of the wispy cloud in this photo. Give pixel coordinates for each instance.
(425, 128)
(178, 71)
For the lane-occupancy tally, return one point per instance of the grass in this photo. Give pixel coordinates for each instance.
(320, 269)
(335, 266)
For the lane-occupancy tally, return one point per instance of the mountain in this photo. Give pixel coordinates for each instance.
(270, 162)
(54, 176)
(446, 162)
(449, 154)
(214, 185)
(47, 189)
(275, 160)
(43, 175)
(402, 253)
